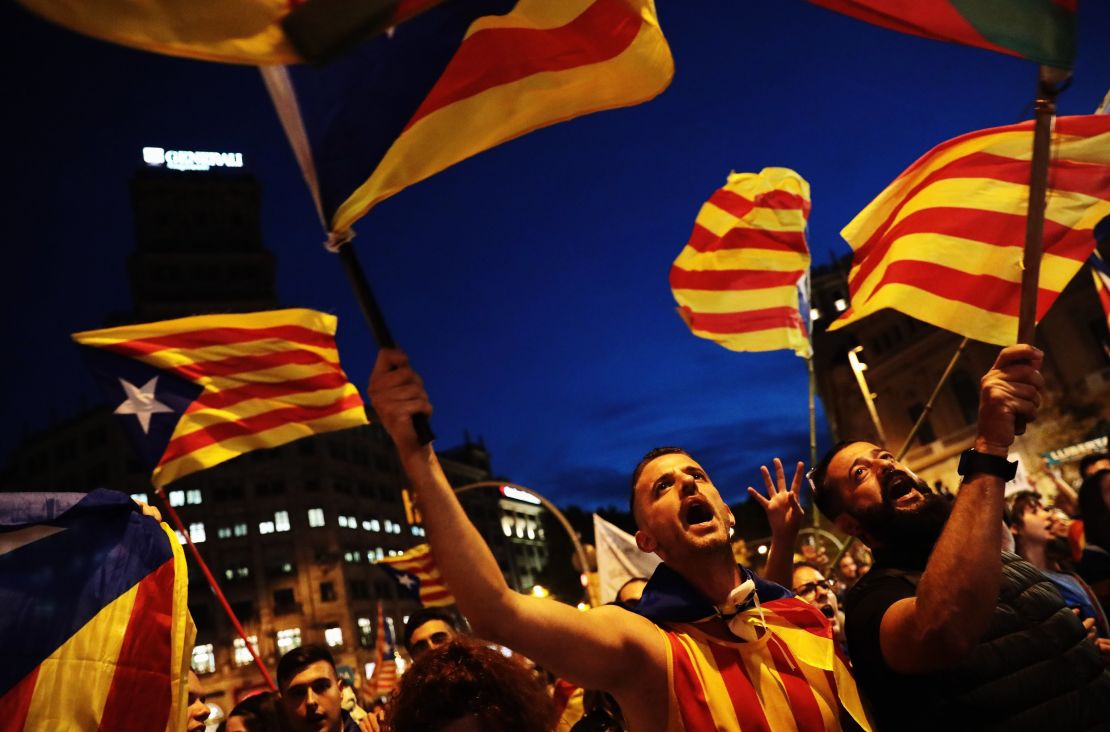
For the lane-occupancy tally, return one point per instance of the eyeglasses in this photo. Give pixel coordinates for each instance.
(810, 588)
(427, 644)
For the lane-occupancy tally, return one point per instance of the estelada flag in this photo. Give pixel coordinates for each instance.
(416, 575)
(736, 281)
(462, 78)
(194, 392)
(943, 243)
(1038, 30)
(384, 679)
(95, 626)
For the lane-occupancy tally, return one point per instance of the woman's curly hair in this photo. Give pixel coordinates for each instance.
(465, 678)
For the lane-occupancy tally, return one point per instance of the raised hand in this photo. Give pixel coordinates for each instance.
(397, 393)
(1012, 388)
(784, 510)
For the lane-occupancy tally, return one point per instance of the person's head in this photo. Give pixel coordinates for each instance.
(679, 514)
(256, 713)
(1091, 464)
(871, 496)
(630, 592)
(426, 629)
(847, 567)
(197, 712)
(309, 689)
(810, 585)
(1094, 508)
(464, 686)
(1030, 522)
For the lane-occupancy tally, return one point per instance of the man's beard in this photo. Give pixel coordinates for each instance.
(909, 528)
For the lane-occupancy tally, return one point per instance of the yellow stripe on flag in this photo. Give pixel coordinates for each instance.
(769, 260)
(719, 222)
(731, 301)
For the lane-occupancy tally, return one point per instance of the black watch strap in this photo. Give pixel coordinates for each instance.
(974, 463)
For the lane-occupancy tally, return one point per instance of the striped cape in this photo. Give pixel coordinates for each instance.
(1039, 30)
(792, 678)
(258, 380)
(943, 243)
(416, 575)
(95, 626)
(736, 280)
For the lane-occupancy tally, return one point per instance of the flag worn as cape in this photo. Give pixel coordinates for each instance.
(95, 626)
(1039, 30)
(194, 392)
(736, 281)
(416, 575)
(943, 243)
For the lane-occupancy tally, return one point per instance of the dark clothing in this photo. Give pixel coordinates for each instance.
(669, 597)
(1034, 668)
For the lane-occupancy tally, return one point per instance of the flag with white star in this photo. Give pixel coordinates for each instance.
(194, 392)
(417, 576)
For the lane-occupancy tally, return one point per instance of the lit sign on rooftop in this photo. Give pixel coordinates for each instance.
(157, 157)
(515, 493)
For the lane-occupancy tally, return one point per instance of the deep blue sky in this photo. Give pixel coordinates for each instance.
(529, 284)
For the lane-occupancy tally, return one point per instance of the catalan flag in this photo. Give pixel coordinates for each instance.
(943, 243)
(415, 572)
(1038, 30)
(194, 392)
(736, 281)
(462, 78)
(384, 679)
(95, 625)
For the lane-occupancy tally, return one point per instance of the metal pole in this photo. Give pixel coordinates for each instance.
(932, 398)
(215, 588)
(579, 550)
(858, 367)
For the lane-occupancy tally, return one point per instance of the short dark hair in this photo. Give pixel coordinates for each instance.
(1090, 460)
(259, 712)
(297, 659)
(1020, 502)
(651, 455)
(426, 615)
(826, 496)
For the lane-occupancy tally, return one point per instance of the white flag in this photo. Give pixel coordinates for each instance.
(618, 558)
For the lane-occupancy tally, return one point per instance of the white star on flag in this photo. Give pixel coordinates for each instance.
(141, 402)
(407, 580)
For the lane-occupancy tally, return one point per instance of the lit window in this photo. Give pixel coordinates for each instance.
(141, 497)
(239, 654)
(388, 526)
(531, 529)
(224, 532)
(288, 639)
(196, 532)
(342, 521)
(177, 498)
(266, 527)
(375, 553)
(507, 525)
(333, 636)
(418, 531)
(814, 314)
(240, 530)
(352, 522)
(519, 527)
(375, 525)
(366, 526)
(180, 537)
(370, 670)
(316, 517)
(204, 660)
(192, 496)
(281, 520)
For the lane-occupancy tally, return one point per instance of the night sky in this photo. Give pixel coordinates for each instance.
(529, 284)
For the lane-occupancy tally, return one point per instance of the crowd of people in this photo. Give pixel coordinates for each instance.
(969, 611)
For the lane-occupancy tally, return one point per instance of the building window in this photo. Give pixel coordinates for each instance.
(192, 496)
(352, 522)
(342, 521)
(507, 525)
(531, 529)
(365, 633)
(237, 572)
(327, 592)
(375, 525)
(239, 653)
(196, 532)
(281, 520)
(359, 589)
(333, 636)
(315, 517)
(287, 640)
(177, 498)
(418, 531)
(240, 530)
(224, 532)
(266, 527)
(375, 553)
(283, 600)
(204, 660)
(352, 557)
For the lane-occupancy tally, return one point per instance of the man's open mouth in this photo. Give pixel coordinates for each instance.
(827, 611)
(698, 512)
(899, 486)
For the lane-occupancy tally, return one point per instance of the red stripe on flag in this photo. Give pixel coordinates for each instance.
(239, 364)
(433, 595)
(564, 690)
(745, 702)
(208, 337)
(803, 700)
(801, 615)
(982, 291)
(748, 321)
(212, 434)
(16, 701)
(688, 691)
(229, 397)
(704, 240)
(731, 202)
(783, 201)
(139, 698)
(498, 56)
(731, 279)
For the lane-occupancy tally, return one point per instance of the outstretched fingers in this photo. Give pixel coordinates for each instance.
(758, 496)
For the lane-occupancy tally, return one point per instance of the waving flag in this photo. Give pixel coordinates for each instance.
(384, 679)
(1038, 30)
(1101, 273)
(943, 242)
(736, 281)
(194, 392)
(462, 78)
(416, 574)
(95, 623)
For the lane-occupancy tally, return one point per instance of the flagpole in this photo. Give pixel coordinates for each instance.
(932, 398)
(215, 588)
(812, 386)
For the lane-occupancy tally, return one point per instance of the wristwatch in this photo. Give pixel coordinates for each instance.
(973, 463)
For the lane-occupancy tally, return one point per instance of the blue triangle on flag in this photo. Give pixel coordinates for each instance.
(148, 402)
(407, 581)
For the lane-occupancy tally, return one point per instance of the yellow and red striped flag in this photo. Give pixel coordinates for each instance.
(384, 679)
(194, 392)
(736, 281)
(416, 574)
(943, 243)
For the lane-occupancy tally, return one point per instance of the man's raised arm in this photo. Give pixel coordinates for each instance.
(597, 649)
